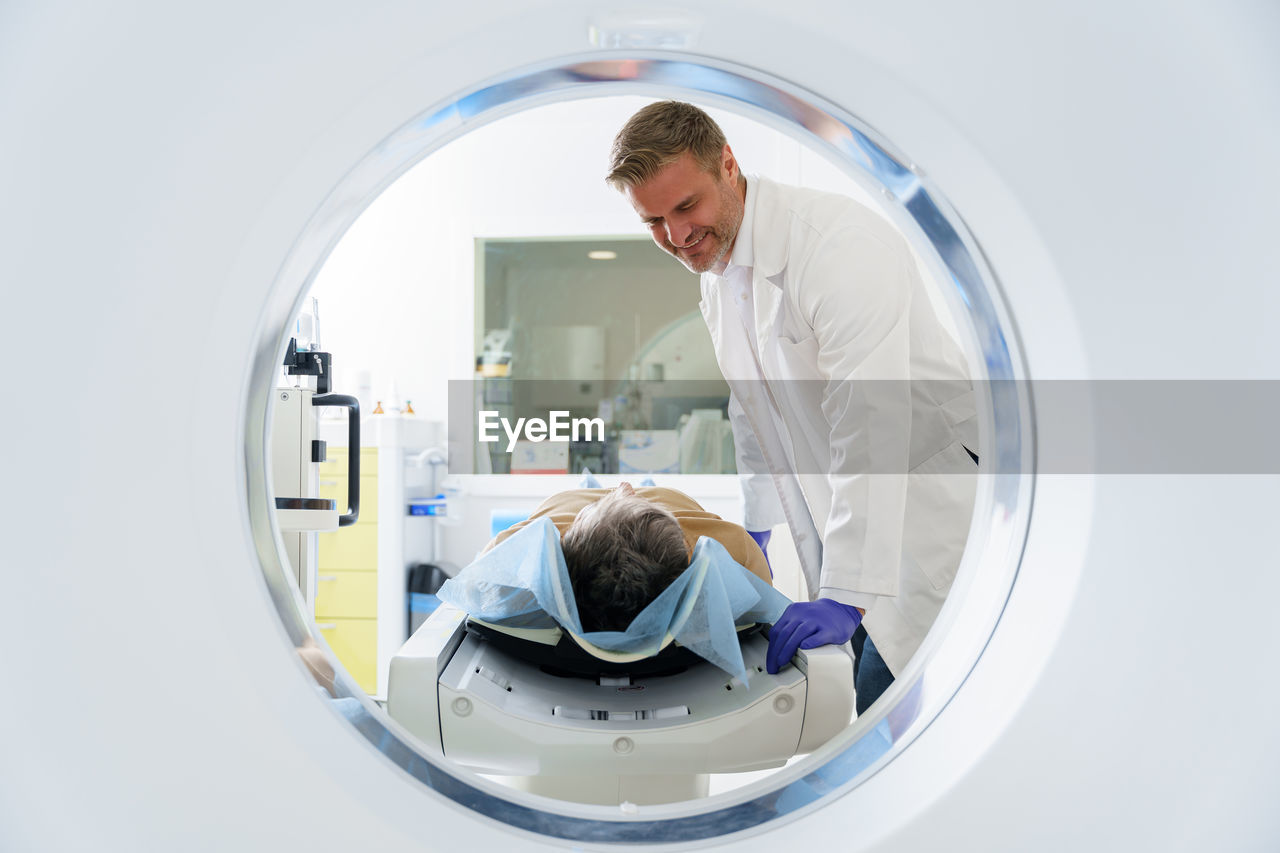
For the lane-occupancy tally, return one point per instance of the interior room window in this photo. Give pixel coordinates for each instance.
(606, 331)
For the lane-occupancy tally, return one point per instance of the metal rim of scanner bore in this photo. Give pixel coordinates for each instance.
(1004, 493)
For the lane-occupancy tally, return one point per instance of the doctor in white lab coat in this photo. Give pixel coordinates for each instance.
(852, 409)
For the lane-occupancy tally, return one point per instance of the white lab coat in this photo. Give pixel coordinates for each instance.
(855, 467)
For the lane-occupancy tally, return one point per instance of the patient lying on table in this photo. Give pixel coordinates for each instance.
(624, 546)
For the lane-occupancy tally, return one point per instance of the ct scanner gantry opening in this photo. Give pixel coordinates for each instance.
(938, 234)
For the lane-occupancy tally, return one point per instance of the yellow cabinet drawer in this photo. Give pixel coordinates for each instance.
(354, 547)
(335, 486)
(336, 461)
(355, 642)
(347, 593)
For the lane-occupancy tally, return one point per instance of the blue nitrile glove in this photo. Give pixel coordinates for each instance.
(807, 625)
(762, 539)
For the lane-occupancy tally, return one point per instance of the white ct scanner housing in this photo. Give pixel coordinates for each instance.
(172, 178)
(632, 738)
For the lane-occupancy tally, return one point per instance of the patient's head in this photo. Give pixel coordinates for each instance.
(621, 552)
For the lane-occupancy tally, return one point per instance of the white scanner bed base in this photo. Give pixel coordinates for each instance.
(612, 739)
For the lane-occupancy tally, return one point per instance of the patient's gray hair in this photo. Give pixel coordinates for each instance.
(620, 556)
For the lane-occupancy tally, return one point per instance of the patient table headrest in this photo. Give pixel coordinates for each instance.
(562, 654)
(523, 584)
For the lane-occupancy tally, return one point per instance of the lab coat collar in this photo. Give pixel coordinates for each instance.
(770, 225)
(743, 254)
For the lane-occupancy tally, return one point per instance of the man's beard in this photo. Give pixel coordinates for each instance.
(724, 232)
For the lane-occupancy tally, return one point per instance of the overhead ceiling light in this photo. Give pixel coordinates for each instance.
(601, 255)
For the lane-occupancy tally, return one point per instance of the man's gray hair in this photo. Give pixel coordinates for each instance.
(656, 136)
(619, 559)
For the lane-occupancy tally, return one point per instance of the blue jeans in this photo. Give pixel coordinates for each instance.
(871, 677)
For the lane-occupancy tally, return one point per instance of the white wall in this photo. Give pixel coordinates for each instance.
(399, 285)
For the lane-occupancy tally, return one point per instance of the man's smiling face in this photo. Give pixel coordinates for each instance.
(692, 214)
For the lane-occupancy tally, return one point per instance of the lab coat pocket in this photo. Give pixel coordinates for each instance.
(940, 495)
(798, 359)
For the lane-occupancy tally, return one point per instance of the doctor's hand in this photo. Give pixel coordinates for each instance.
(807, 625)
